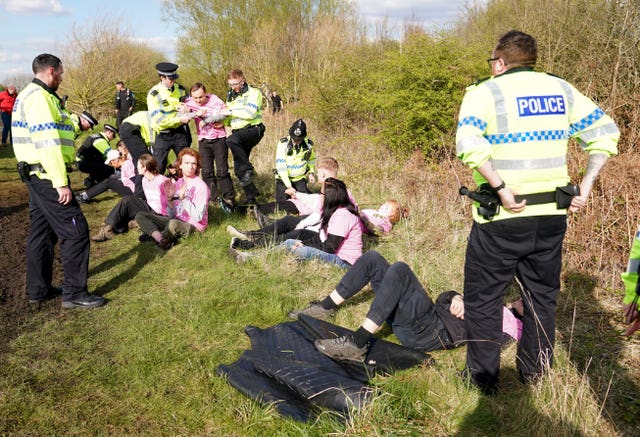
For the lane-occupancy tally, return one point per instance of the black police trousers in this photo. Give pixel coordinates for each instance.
(52, 222)
(531, 249)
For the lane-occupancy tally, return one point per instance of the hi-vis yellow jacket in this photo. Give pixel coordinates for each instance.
(246, 109)
(142, 119)
(162, 104)
(294, 163)
(43, 133)
(522, 120)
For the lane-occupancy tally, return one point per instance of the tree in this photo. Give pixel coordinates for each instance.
(99, 55)
(273, 42)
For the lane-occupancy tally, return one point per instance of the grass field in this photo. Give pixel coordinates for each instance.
(145, 363)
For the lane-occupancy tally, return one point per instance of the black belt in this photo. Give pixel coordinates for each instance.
(247, 127)
(537, 198)
(172, 131)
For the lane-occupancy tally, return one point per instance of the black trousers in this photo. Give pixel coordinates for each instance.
(96, 168)
(113, 183)
(52, 222)
(132, 138)
(531, 249)
(241, 142)
(273, 207)
(399, 299)
(124, 211)
(173, 139)
(300, 186)
(214, 157)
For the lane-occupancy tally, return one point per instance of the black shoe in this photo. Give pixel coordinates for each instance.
(237, 243)
(166, 243)
(51, 294)
(85, 302)
(488, 389)
(88, 182)
(144, 237)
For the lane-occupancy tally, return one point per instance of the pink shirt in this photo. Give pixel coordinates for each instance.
(193, 209)
(377, 220)
(212, 107)
(127, 171)
(511, 324)
(344, 224)
(154, 191)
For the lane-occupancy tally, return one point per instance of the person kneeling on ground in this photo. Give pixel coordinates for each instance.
(399, 299)
(188, 205)
(120, 182)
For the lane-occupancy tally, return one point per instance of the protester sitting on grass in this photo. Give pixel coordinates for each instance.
(155, 187)
(336, 238)
(380, 221)
(400, 300)
(120, 182)
(300, 203)
(187, 212)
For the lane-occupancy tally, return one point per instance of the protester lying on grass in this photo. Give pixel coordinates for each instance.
(187, 209)
(400, 300)
(380, 221)
(155, 188)
(336, 237)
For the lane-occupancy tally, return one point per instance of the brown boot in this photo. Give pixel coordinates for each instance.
(105, 233)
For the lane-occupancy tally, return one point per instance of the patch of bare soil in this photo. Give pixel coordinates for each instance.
(15, 310)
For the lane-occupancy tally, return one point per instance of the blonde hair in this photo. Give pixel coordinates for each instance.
(328, 163)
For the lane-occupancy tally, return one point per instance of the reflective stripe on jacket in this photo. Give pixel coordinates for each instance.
(246, 109)
(294, 163)
(43, 132)
(522, 121)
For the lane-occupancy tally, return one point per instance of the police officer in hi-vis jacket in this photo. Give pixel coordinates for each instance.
(513, 131)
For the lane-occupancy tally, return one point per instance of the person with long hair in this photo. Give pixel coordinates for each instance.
(188, 203)
(336, 238)
(157, 189)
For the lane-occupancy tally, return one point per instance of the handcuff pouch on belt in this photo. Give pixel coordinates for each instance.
(489, 201)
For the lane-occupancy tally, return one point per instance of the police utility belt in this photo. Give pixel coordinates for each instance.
(490, 203)
(25, 169)
(249, 126)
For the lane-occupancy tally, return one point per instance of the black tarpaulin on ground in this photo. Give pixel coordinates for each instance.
(284, 368)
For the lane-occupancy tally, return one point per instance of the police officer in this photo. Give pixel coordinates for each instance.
(93, 153)
(44, 134)
(170, 125)
(124, 102)
(513, 130)
(136, 132)
(245, 104)
(295, 161)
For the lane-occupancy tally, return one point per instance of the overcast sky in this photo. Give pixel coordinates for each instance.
(30, 27)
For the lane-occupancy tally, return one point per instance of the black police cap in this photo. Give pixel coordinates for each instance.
(298, 130)
(168, 69)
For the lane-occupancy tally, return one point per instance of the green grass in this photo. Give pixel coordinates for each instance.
(145, 363)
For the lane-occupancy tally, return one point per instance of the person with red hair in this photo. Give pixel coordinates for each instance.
(188, 205)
